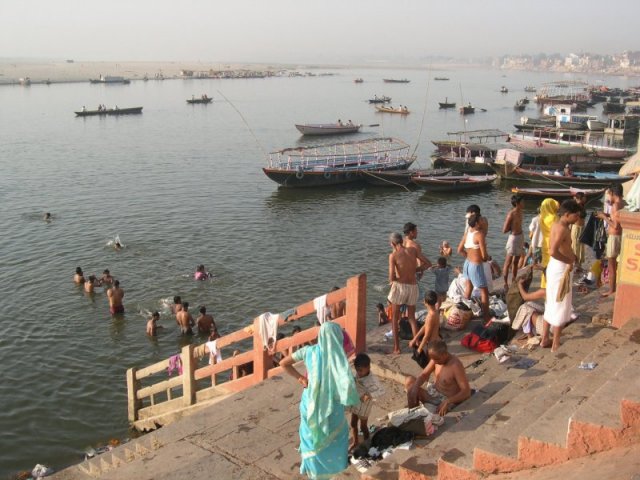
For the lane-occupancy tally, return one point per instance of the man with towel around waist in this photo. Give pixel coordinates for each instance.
(403, 265)
(557, 310)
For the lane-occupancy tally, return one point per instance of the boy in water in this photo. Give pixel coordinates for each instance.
(368, 388)
(441, 271)
(106, 278)
(185, 320)
(78, 278)
(382, 314)
(152, 324)
(90, 284)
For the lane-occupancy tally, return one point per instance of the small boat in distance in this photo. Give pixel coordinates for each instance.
(467, 109)
(204, 98)
(394, 80)
(402, 110)
(358, 80)
(109, 111)
(442, 79)
(327, 128)
(106, 79)
(520, 106)
(530, 89)
(504, 89)
(377, 99)
(447, 104)
(454, 183)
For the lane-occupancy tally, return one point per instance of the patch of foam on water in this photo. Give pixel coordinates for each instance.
(380, 288)
(115, 240)
(165, 305)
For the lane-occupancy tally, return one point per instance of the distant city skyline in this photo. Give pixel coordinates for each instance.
(288, 31)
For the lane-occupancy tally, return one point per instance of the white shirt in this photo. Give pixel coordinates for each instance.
(536, 234)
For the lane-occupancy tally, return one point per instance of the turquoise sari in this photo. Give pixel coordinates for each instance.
(324, 434)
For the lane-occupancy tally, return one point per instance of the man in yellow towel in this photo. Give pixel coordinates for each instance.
(557, 310)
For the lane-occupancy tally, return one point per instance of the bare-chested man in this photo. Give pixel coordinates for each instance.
(185, 320)
(559, 274)
(152, 324)
(515, 242)
(403, 264)
(115, 295)
(177, 305)
(78, 278)
(410, 235)
(614, 232)
(451, 385)
(205, 322)
(106, 278)
(430, 331)
(90, 284)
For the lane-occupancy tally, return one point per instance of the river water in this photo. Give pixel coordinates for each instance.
(182, 185)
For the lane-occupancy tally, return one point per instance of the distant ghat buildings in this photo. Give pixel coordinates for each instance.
(625, 63)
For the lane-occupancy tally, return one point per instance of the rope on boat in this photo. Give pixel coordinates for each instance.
(266, 155)
(385, 180)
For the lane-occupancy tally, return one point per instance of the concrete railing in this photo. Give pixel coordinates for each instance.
(199, 384)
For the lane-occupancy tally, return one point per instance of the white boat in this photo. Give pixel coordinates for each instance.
(596, 125)
(327, 128)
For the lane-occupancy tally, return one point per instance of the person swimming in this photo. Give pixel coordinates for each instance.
(47, 217)
(201, 273)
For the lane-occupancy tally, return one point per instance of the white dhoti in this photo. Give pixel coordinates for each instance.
(557, 313)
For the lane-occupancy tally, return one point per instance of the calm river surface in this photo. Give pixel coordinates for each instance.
(182, 185)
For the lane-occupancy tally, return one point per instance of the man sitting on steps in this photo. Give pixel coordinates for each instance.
(451, 385)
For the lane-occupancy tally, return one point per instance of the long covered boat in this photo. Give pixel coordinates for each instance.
(560, 193)
(577, 180)
(110, 111)
(454, 183)
(327, 128)
(337, 164)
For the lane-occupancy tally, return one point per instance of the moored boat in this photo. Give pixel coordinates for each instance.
(520, 106)
(395, 178)
(477, 165)
(595, 125)
(358, 80)
(611, 107)
(467, 109)
(337, 164)
(327, 128)
(394, 80)
(377, 99)
(107, 79)
(504, 89)
(447, 104)
(203, 99)
(399, 110)
(557, 177)
(109, 111)
(454, 183)
(530, 89)
(441, 79)
(559, 193)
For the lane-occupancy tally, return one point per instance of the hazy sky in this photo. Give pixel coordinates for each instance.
(305, 31)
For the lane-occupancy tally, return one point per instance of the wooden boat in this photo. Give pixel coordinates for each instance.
(327, 128)
(467, 109)
(399, 110)
(530, 89)
(454, 183)
(447, 103)
(476, 165)
(358, 80)
(520, 106)
(110, 111)
(204, 99)
(395, 178)
(525, 100)
(623, 124)
(504, 89)
(382, 99)
(442, 79)
(586, 180)
(394, 80)
(559, 193)
(337, 164)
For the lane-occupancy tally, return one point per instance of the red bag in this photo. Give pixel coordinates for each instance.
(486, 338)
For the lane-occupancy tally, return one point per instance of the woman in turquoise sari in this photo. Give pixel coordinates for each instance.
(329, 387)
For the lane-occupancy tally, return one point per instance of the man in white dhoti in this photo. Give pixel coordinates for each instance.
(557, 310)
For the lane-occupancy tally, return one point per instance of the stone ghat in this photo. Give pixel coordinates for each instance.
(551, 414)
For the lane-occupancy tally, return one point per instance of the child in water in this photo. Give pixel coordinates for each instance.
(201, 273)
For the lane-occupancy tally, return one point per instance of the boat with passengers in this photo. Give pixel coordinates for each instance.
(338, 163)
